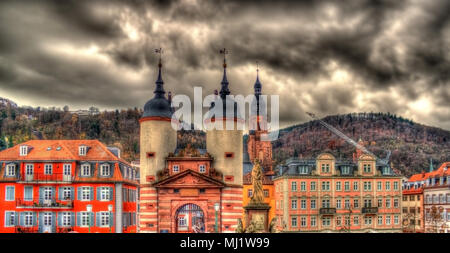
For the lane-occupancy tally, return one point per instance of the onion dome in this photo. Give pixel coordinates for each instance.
(159, 105)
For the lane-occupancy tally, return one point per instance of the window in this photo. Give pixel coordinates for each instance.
(379, 186)
(175, 168)
(266, 192)
(105, 193)
(303, 186)
(345, 170)
(385, 170)
(368, 220)
(395, 185)
(67, 169)
(396, 219)
(356, 203)
(367, 186)
(28, 193)
(48, 193)
(104, 219)
(326, 221)
(293, 221)
(313, 186)
(347, 220)
(367, 168)
(293, 204)
(313, 204)
(85, 193)
(325, 168)
(338, 186)
(388, 203)
(388, 186)
(388, 220)
(325, 203)
(355, 186)
(355, 220)
(338, 203)
(380, 219)
(325, 186)
(303, 203)
(405, 198)
(441, 199)
(303, 221)
(66, 219)
(448, 198)
(47, 219)
(347, 186)
(10, 194)
(249, 193)
(85, 170)
(11, 170)
(338, 221)
(294, 186)
(396, 203)
(202, 168)
(66, 193)
(48, 169)
(82, 150)
(182, 221)
(84, 219)
(303, 169)
(10, 219)
(23, 150)
(313, 221)
(104, 170)
(380, 202)
(229, 154)
(29, 169)
(347, 204)
(28, 219)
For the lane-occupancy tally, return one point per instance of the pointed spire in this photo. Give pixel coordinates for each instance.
(224, 91)
(431, 165)
(159, 90)
(257, 87)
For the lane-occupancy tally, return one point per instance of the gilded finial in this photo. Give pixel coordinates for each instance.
(224, 51)
(159, 51)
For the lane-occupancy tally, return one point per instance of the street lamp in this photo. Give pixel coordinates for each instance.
(110, 208)
(89, 210)
(216, 208)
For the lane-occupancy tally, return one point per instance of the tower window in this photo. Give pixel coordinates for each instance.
(176, 168)
(202, 168)
(150, 154)
(229, 154)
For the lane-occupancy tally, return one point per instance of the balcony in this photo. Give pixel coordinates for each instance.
(23, 229)
(47, 178)
(369, 210)
(44, 203)
(327, 210)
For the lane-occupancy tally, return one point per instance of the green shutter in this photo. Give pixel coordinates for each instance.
(91, 193)
(22, 219)
(92, 218)
(72, 218)
(111, 193)
(79, 219)
(79, 193)
(97, 214)
(98, 192)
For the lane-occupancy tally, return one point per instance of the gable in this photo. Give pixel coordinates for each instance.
(188, 179)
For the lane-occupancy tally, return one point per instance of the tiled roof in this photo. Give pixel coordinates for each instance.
(443, 170)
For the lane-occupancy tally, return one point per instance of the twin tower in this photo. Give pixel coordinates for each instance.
(158, 140)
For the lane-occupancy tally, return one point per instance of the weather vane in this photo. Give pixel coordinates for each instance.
(224, 51)
(257, 66)
(159, 51)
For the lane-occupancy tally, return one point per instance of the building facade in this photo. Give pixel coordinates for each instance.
(436, 192)
(329, 195)
(412, 204)
(189, 190)
(50, 186)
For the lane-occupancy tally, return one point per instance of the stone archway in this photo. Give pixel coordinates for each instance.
(190, 218)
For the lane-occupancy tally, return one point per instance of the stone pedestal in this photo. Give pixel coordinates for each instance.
(259, 214)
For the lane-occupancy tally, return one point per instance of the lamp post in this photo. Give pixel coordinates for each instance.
(89, 210)
(110, 208)
(216, 208)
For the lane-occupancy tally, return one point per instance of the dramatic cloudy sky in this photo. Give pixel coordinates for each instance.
(327, 57)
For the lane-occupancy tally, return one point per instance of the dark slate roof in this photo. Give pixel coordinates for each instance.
(159, 105)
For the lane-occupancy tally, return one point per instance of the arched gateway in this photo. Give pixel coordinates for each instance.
(190, 218)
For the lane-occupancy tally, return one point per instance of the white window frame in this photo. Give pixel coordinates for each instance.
(202, 168)
(28, 219)
(338, 186)
(313, 186)
(48, 169)
(6, 192)
(303, 204)
(356, 220)
(176, 168)
(82, 150)
(326, 221)
(380, 220)
(10, 170)
(294, 204)
(303, 222)
(104, 194)
(23, 150)
(294, 224)
(313, 221)
(85, 193)
(294, 186)
(85, 167)
(84, 219)
(66, 219)
(66, 191)
(313, 204)
(12, 220)
(29, 169)
(104, 219)
(105, 170)
(303, 186)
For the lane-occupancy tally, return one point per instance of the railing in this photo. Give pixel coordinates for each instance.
(327, 210)
(370, 210)
(44, 203)
(64, 229)
(42, 177)
(23, 229)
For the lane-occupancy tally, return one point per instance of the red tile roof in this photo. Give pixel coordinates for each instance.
(443, 170)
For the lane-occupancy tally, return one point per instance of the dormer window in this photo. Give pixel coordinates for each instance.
(345, 170)
(23, 150)
(303, 169)
(325, 168)
(10, 170)
(202, 168)
(175, 168)
(104, 170)
(367, 168)
(82, 150)
(85, 170)
(385, 170)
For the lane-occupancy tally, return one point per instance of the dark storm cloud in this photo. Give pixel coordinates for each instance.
(102, 52)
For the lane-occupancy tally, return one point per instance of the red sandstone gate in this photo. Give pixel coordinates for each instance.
(190, 218)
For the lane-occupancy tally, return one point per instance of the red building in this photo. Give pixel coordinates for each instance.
(66, 185)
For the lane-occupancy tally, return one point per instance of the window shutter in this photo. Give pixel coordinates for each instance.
(98, 192)
(97, 220)
(72, 218)
(17, 170)
(60, 222)
(111, 169)
(53, 192)
(72, 193)
(54, 222)
(79, 193)
(111, 219)
(60, 193)
(35, 219)
(7, 218)
(79, 219)
(91, 193)
(111, 192)
(16, 218)
(92, 219)
(92, 169)
(41, 194)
